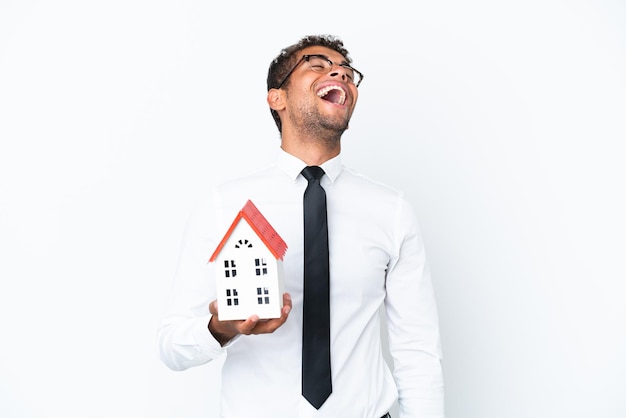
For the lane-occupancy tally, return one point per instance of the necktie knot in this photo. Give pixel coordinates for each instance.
(312, 172)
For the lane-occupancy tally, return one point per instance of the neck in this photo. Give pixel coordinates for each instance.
(311, 154)
(313, 151)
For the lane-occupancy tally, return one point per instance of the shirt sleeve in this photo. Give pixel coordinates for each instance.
(414, 339)
(183, 336)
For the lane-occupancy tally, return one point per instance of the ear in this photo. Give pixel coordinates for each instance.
(275, 99)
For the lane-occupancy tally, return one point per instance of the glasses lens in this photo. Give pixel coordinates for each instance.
(350, 73)
(322, 65)
(356, 77)
(319, 64)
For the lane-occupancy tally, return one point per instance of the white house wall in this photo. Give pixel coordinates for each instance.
(238, 296)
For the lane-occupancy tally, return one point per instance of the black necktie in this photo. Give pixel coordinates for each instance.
(316, 377)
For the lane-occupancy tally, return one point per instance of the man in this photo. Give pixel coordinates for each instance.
(376, 258)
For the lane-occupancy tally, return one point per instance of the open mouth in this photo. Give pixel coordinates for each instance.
(333, 94)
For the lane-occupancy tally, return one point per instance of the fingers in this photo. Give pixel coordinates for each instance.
(252, 325)
(213, 308)
(247, 327)
(287, 303)
(271, 325)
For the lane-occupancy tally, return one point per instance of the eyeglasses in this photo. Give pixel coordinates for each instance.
(321, 64)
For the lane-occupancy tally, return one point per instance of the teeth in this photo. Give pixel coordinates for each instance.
(342, 97)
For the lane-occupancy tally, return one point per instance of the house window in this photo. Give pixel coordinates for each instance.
(243, 243)
(261, 266)
(263, 297)
(230, 269)
(232, 297)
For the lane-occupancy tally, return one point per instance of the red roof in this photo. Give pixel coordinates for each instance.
(261, 227)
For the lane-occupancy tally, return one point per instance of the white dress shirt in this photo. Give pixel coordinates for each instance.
(376, 257)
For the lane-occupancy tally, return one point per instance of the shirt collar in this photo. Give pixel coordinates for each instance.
(292, 166)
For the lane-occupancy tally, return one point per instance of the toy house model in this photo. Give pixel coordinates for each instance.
(249, 268)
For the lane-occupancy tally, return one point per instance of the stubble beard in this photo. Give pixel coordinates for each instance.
(319, 128)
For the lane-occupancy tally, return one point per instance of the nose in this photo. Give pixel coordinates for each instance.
(339, 71)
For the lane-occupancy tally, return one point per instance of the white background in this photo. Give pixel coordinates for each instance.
(503, 121)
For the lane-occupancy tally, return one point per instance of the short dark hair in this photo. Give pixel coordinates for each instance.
(287, 58)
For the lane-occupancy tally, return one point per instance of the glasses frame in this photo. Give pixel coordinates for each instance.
(324, 57)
